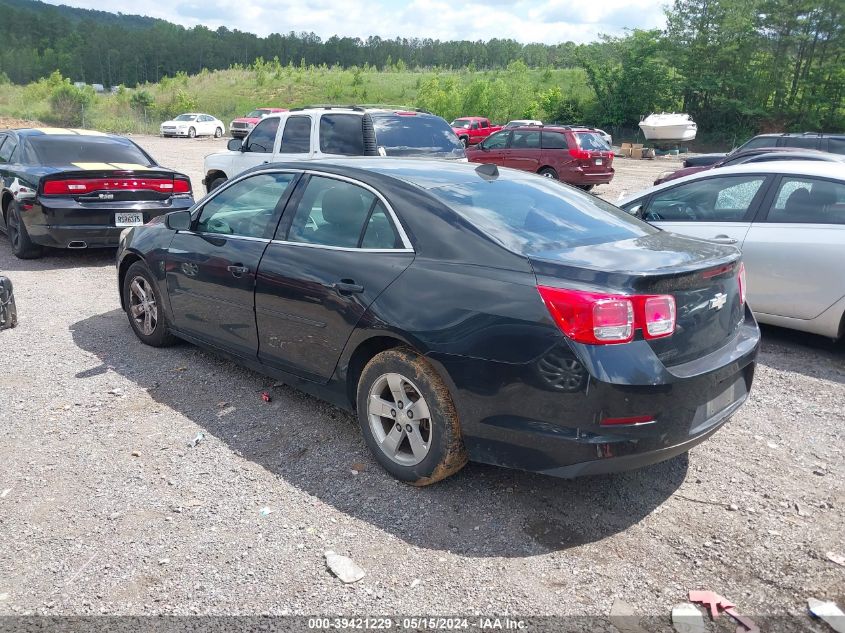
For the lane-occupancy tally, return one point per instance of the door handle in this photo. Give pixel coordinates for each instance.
(237, 270)
(348, 287)
(723, 239)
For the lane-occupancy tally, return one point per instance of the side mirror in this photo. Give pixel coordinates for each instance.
(178, 221)
(235, 145)
(636, 211)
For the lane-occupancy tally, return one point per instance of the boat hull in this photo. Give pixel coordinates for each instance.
(680, 132)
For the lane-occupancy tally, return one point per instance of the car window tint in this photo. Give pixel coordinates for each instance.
(263, 136)
(401, 135)
(342, 134)
(379, 231)
(55, 150)
(525, 140)
(246, 207)
(591, 142)
(836, 145)
(804, 142)
(331, 213)
(6, 148)
(534, 215)
(499, 140)
(484, 125)
(809, 200)
(725, 199)
(554, 140)
(296, 137)
(760, 141)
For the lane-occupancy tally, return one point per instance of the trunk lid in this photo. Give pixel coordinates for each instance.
(701, 276)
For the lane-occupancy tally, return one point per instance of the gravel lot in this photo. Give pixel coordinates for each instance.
(105, 508)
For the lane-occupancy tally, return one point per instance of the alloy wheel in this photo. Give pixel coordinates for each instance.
(142, 306)
(399, 419)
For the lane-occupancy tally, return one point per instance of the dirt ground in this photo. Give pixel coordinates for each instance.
(107, 507)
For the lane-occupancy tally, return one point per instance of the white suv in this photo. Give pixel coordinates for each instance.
(309, 133)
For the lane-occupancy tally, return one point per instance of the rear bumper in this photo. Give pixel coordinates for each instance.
(77, 226)
(546, 416)
(581, 177)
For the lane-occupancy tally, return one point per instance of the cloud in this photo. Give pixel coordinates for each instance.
(526, 21)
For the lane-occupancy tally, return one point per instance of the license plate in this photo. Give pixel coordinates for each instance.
(128, 219)
(723, 400)
(598, 161)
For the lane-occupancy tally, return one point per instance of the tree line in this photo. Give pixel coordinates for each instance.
(737, 66)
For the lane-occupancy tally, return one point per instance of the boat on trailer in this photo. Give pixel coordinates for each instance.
(668, 127)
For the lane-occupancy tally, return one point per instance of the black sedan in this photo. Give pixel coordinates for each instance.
(463, 312)
(66, 188)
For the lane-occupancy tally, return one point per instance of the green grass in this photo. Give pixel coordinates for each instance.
(233, 92)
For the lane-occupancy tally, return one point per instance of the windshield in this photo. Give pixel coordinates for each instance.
(257, 114)
(590, 141)
(401, 135)
(186, 117)
(464, 123)
(78, 150)
(534, 215)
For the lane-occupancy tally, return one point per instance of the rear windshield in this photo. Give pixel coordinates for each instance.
(69, 150)
(402, 135)
(535, 215)
(592, 142)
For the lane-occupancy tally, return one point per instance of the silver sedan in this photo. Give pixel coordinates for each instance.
(788, 217)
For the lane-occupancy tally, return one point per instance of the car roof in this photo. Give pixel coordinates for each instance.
(64, 132)
(425, 173)
(352, 110)
(819, 169)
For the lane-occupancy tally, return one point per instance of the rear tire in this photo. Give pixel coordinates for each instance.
(192, 133)
(408, 419)
(216, 183)
(218, 133)
(548, 172)
(586, 187)
(22, 246)
(144, 307)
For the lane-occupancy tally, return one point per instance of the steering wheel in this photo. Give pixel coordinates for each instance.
(681, 208)
(216, 225)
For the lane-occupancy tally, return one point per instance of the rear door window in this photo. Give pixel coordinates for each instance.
(804, 142)
(296, 137)
(342, 134)
(263, 136)
(808, 201)
(554, 140)
(523, 139)
(724, 199)
(836, 145)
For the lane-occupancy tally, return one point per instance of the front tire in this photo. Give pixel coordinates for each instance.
(144, 307)
(465, 141)
(22, 245)
(218, 133)
(216, 183)
(408, 419)
(192, 133)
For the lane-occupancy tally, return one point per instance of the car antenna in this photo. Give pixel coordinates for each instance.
(487, 171)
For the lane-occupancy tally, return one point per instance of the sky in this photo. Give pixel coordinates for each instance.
(547, 21)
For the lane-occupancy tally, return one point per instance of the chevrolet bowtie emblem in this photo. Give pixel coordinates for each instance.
(718, 302)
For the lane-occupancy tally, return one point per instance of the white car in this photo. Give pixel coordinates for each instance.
(523, 123)
(311, 133)
(193, 124)
(788, 217)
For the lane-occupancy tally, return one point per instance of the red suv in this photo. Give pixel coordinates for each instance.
(578, 156)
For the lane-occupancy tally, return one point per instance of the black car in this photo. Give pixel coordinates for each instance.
(66, 188)
(462, 311)
(821, 141)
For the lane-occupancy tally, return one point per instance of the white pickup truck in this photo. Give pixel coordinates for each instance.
(310, 133)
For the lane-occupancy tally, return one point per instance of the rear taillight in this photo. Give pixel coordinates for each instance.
(580, 154)
(81, 186)
(741, 282)
(596, 319)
